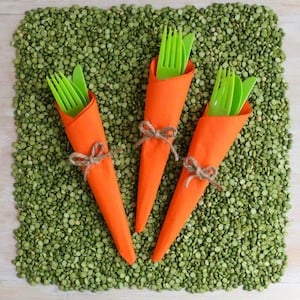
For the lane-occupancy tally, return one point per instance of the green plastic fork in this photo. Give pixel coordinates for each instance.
(68, 96)
(221, 99)
(170, 56)
(229, 94)
(217, 93)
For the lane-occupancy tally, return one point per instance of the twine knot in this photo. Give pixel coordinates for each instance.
(208, 173)
(96, 156)
(148, 130)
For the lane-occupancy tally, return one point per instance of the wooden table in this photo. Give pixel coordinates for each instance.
(11, 287)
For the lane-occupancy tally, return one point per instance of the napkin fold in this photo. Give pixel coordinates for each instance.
(83, 132)
(163, 107)
(212, 139)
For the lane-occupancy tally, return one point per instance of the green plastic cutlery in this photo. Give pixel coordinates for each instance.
(173, 54)
(187, 47)
(242, 92)
(237, 96)
(224, 102)
(79, 81)
(221, 100)
(79, 93)
(229, 94)
(170, 55)
(248, 85)
(71, 96)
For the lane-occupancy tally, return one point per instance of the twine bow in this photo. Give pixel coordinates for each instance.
(208, 173)
(148, 130)
(87, 161)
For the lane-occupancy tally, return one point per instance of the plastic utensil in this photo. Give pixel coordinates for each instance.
(72, 96)
(79, 93)
(237, 96)
(222, 95)
(170, 55)
(58, 97)
(79, 81)
(248, 85)
(65, 94)
(217, 85)
(187, 47)
(219, 93)
(246, 88)
(179, 47)
(226, 103)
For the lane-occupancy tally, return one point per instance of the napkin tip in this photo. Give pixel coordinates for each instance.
(130, 260)
(139, 228)
(156, 257)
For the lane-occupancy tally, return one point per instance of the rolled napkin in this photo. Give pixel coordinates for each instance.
(212, 139)
(163, 107)
(87, 137)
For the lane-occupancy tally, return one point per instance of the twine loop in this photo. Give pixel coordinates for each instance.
(148, 130)
(87, 161)
(208, 173)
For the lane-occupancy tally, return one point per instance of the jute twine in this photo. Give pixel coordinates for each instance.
(208, 173)
(87, 161)
(148, 131)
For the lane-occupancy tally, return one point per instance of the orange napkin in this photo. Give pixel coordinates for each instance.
(83, 131)
(211, 141)
(163, 107)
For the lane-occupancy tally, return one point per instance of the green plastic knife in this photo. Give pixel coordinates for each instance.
(187, 47)
(79, 81)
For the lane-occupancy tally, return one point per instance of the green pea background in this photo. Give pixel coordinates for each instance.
(234, 238)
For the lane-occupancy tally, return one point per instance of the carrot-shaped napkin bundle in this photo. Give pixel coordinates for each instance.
(87, 137)
(163, 107)
(211, 141)
(170, 76)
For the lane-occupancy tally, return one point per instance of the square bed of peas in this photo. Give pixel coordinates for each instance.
(234, 238)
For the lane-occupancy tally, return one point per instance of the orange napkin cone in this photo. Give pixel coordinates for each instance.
(211, 141)
(83, 131)
(163, 107)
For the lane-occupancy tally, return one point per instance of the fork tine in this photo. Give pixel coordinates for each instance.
(173, 50)
(162, 50)
(60, 91)
(63, 84)
(179, 48)
(226, 90)
(229, 89)
(223, 82)
(217, 85)
(168, 48)
(56, 95)
(231, 82)
(74, 96)
(64, 90)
